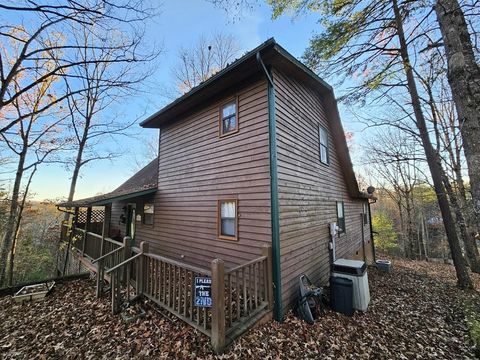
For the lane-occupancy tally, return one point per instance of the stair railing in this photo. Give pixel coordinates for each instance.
(121, 273)
(111, 258)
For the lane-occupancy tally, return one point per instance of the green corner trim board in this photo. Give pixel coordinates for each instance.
(277, 279)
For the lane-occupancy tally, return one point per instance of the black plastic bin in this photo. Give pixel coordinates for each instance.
(341, 295)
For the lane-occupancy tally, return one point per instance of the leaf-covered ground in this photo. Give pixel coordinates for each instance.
(415, 312)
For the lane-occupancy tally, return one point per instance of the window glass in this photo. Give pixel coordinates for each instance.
(228, 110)
(148, 211)
(228, 218)
(341, 216)
(365, 213)
(228, 119)
(323, 145)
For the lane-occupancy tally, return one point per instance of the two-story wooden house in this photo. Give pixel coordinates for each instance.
(255, 156)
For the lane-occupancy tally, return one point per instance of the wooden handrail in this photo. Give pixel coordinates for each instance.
(94, 235)
(123, 263)
(107, 255)
(119, 243)
(179, 264)
(251, 262)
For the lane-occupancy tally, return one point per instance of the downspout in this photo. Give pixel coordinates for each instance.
(371, 229)
(276, 271)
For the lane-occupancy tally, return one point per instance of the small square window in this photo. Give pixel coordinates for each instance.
(323, 136)
(228, 118)
(227, 219)
(148, 213)
(341, 217)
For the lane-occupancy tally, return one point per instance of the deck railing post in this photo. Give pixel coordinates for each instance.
(267, 251)
(87, 226)
(142, 268)
(100, 269)
(127, 253)
(114, 293)
(218, 305)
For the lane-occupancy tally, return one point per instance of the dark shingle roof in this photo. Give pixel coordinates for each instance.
(143, 182)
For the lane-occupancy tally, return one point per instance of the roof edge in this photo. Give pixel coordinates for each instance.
(270, 42)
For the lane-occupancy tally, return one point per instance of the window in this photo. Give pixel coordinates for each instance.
(228, 118)
(341, 217)
(227, 219)
(323, 135)
(148, 210)
(365, 213)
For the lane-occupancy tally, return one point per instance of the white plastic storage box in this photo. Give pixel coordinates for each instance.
(357, 272)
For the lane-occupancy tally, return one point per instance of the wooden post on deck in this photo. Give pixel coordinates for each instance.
(127, 253)
(100, 269)
(87, 226)
(267, 251)
(141, 268)
(218, 305)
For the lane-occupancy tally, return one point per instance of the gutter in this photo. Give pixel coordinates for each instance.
(277, 279)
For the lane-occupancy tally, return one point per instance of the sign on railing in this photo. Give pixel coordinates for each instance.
(203, 291)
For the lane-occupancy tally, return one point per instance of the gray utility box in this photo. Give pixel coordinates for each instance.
(357, 272)
(384, 265)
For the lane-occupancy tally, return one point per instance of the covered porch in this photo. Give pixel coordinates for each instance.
(240, 296)
(101, 232)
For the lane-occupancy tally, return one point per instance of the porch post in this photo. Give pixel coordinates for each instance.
(218, 305)
(87, 226)
(141, 268)
(127, 253)
(267, 251)
(100, 269)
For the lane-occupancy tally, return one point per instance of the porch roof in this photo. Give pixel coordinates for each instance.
(142, 183)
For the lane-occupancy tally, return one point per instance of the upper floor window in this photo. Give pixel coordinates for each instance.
(148, 211)
(228, 118)
(365, 213)
(227, 219)
(341, 217)
(323, 135)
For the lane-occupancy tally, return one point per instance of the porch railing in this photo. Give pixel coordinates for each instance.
(170, 284)
(240, 295)
(92, 245)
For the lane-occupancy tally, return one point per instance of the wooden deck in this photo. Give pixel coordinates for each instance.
(241, 296)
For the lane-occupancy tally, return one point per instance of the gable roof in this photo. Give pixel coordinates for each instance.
(141, 183)
(272, 55)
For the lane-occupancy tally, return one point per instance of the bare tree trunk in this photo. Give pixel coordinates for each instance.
(425, 237)
(464, 80)
(76, 169)
(433, 160)
(461, 213)
(10, 225)
(470, 247)
(410, 228)
(17, 227)
(406, 246)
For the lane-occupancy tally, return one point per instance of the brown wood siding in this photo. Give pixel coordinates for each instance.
(197, 168)
(309, 190)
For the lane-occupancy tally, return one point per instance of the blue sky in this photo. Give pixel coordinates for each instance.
(179, 24)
